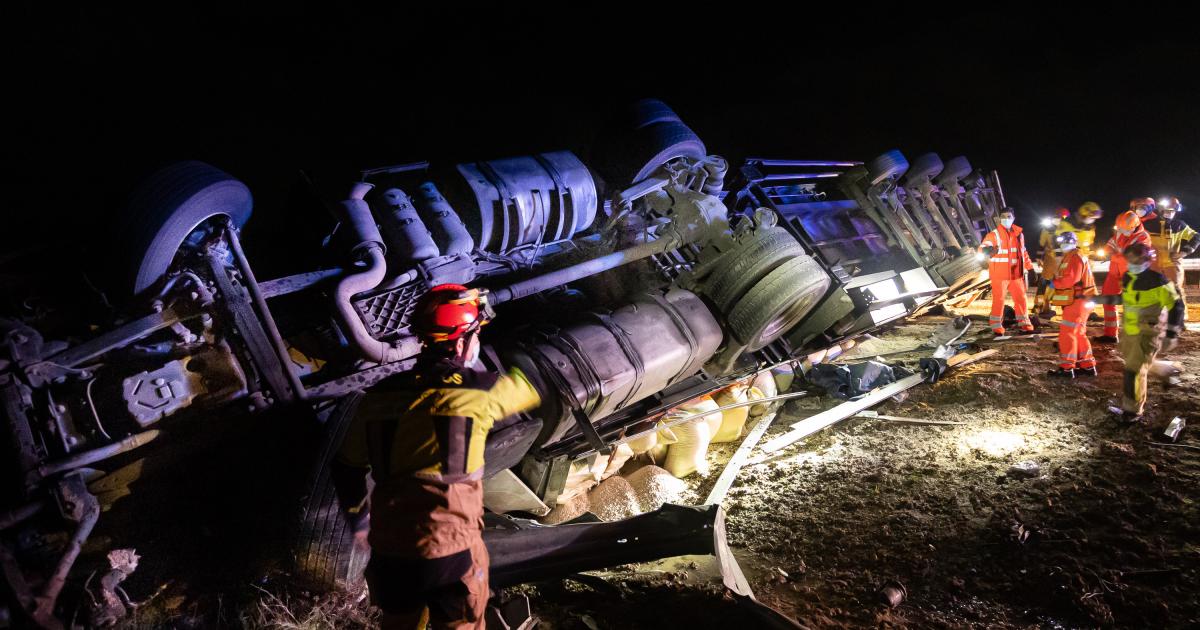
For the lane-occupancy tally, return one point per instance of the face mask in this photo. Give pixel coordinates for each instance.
(1138, 268)
(1066, 247)
(1088, 221)
(1168, 215)
(1007, 222)
(1143, 211)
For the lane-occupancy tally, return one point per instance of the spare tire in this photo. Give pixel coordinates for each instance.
(778, 302)
(956, 168)
(927, 165)
(750, 263)
(165, 209)
(890, 164)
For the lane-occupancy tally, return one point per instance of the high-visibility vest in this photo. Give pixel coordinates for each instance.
(1074, 280)
(1009, 260)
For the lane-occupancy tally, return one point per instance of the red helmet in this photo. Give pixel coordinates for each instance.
(1141, 202)
(1062, 213)
(448, 312)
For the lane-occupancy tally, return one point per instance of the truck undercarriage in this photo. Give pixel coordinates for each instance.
(627, 286)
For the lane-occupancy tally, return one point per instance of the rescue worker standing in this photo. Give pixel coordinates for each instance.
(1127, 231)
(421, 435)
(1004, 248)
(1148, 299)
(1173, 240)
(1074, 288)
(1082, 224)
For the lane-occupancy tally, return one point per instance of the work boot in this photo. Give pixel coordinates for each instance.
(1105, 339)
(1087, 371)
(1131, 418)
(996, 335)
(1062, 373)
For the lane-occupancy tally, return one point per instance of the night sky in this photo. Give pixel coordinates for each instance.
(1068, 106)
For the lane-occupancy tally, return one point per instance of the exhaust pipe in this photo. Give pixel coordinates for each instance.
(355, 214)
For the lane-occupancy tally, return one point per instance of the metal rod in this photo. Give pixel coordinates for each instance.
(44, 611)
(766, 162)
(116, 338)
(582, 270)
(285, 360)
(18, 515)
(298, 282)
(93, 456)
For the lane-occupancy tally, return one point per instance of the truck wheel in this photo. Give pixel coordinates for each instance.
(751, 263)
(778, 302)
(927, 165)
(956, 169)
(650, 135)
(649, 111)
(165, 209)
(890, 164)
(324, 554)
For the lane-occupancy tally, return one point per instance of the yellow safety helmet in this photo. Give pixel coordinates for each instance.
(1090, 210)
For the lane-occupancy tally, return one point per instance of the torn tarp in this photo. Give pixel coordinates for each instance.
(848, 381)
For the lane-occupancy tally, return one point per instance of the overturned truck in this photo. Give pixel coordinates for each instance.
(628, 285)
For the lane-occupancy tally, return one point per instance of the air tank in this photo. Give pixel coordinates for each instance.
(524, 200)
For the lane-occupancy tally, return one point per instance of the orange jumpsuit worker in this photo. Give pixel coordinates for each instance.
(1074, 288)
(1126, 231)
(421, 436)
(1004, 248)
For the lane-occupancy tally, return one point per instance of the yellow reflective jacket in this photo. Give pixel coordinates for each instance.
(1048, 240)
(432, 423)
(1171, 236)
(1146, 297)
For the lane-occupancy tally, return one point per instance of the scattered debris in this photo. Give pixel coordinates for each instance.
(1175, 428)
(1026, 469)
(893, 593)
(114, 603)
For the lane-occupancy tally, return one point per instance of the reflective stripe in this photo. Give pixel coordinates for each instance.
(997, 259)
(1070, 324)
(995, 318)
(1068, 354)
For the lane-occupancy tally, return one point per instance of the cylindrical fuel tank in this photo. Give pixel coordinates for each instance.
(408, 240)
(518, 201)
(610, 361)
(448, 230)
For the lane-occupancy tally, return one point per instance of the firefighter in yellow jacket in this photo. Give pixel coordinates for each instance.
(1173, 240)
(1074, 288)
(1152, 309)
(421, 436)
(1083, 225)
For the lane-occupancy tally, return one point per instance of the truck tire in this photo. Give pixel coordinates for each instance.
(649, 111)
(890, 164)
(164, 210)
(956, 168)
(778, 302)
(751, 263)
(324, 554)
(927, 165)
(649, 135)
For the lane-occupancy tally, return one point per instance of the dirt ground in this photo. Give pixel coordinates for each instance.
(1105, 534)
